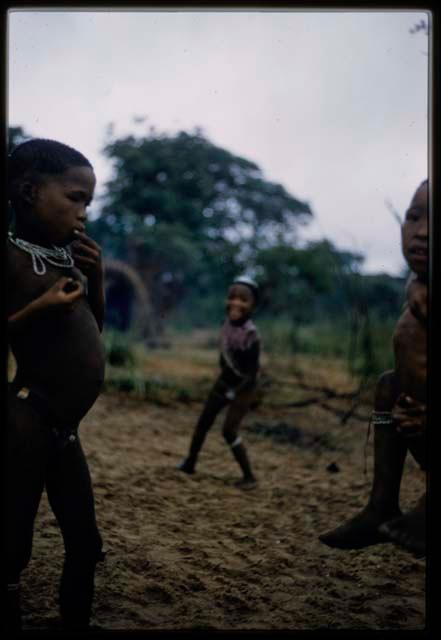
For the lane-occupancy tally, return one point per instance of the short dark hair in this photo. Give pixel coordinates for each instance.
(39, 156)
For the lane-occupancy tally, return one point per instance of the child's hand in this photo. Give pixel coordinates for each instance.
(409, 416)
(63, 293)
(87, 255)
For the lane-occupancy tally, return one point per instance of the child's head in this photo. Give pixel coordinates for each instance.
(242, 298)
(50, 186)
(414, 232)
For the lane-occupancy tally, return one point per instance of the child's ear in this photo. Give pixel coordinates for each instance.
(28, 191)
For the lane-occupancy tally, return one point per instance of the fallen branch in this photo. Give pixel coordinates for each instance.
(298, 403)
(344, 415)
(331, 393)
(328, 393)
(393, 211)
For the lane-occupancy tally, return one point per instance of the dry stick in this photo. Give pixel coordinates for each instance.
(344, 415)
(393, 211)
(329, 393)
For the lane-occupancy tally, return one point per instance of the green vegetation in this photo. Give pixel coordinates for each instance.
(333, 340)
(131, 369)
(119, 348)
(152, 389)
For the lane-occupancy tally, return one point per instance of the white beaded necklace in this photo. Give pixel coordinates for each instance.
(57, 256)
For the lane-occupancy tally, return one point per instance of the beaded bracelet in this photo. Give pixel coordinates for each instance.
(381, 417)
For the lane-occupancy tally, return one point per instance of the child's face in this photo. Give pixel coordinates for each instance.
(60, 203)
(414, 233)
(239, 303)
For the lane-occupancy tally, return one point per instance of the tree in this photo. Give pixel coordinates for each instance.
(304, 281)
(190, 214)
(16, 135)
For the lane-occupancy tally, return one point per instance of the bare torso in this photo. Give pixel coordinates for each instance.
(59, 353)
(410, 347)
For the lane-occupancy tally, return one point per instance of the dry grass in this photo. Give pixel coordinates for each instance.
(194, 552)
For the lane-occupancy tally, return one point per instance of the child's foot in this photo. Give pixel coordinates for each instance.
(408, 531)
(358, 532)
(186, 465)
(246, 483)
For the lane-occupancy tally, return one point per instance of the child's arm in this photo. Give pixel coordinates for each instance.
(64, 292)
(249, 367)
(87, 255)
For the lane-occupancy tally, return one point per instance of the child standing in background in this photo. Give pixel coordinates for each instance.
(55, 309)
(400, 409)
(236, 384)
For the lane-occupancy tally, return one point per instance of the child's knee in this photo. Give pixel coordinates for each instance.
(86, 548)
(204, 423)
(229, 435)
(386, 391)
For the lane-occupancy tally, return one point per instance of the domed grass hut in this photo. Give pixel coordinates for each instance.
(128, 307)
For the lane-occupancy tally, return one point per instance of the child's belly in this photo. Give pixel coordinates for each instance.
(410, 347)
(63, 358)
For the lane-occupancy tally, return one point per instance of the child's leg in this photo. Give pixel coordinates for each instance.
(70, 494)
(216, 401)
(418, 448)
(389, 454)
(27, 451)
(236, 411)
(409, 530)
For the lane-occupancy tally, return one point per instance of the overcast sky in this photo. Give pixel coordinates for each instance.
(333, 105)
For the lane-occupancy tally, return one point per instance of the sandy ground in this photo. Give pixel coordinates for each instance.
(191, 552)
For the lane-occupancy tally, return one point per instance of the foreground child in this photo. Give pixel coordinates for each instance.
(235, 386)
(399, 416)
(55, 316)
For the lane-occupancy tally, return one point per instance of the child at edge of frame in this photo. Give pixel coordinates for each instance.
(236, 384)
(400, 409)
(55, 309)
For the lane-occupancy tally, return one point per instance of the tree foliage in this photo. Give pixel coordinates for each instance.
(302, 281)
(185, 178)
(16, 135)
(190, 214)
